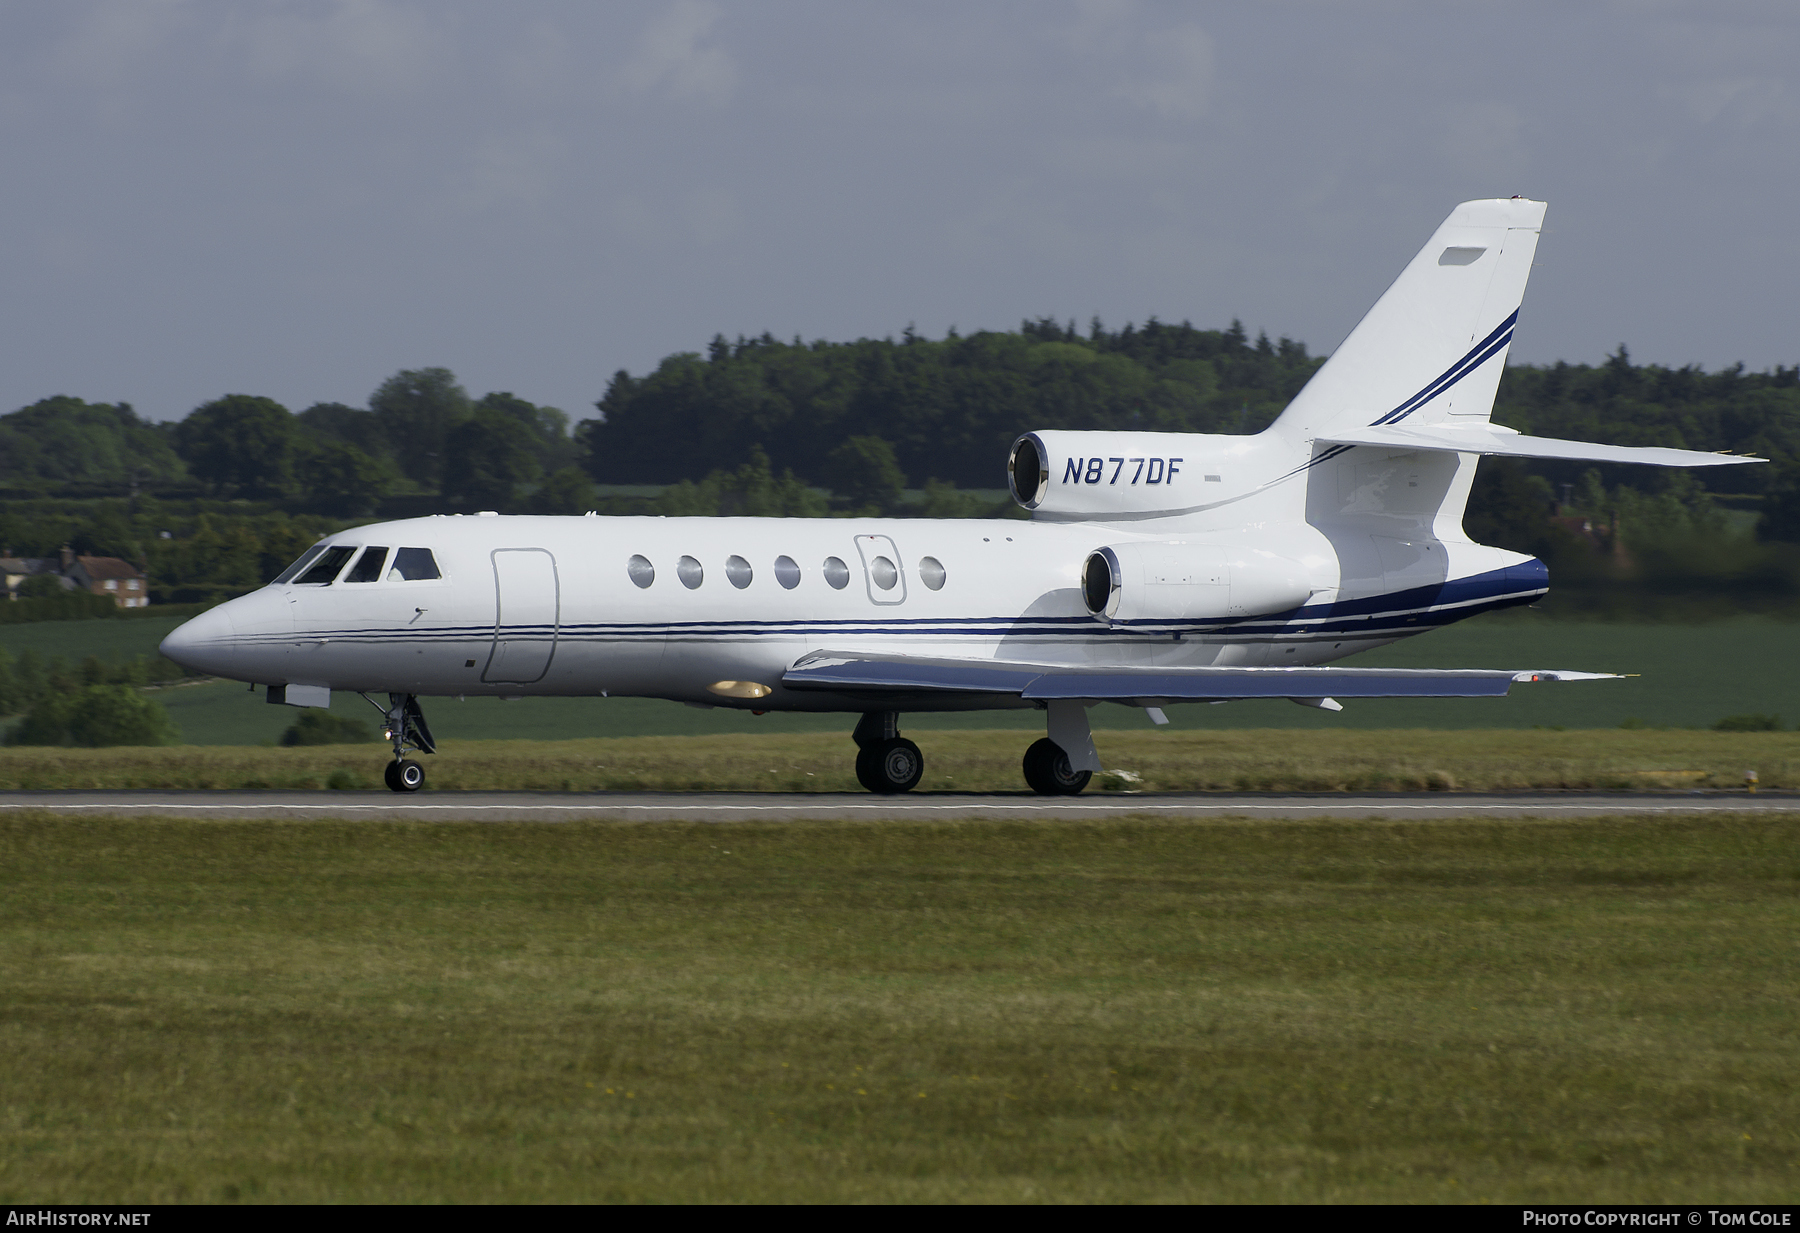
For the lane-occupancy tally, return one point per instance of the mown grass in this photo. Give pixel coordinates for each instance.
(1364, 1011)
(1243, 761)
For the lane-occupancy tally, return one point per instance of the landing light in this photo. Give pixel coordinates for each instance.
(739, 689)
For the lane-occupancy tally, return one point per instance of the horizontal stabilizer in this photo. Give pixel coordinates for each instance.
(1487, 439)
(857, 673)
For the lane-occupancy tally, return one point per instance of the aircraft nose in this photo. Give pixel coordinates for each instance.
(205, 644)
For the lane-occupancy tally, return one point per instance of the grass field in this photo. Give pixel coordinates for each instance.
(1533, 1011)
(1692, 676)
(1250, 761)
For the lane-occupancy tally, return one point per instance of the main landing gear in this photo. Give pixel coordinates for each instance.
(406, 728)
(1048, 773)
(888, 763)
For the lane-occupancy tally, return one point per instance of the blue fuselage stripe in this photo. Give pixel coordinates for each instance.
(1395, 613)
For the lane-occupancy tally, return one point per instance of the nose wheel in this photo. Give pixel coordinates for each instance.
(405, 775)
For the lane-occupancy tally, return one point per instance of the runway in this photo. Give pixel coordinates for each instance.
(919, 806)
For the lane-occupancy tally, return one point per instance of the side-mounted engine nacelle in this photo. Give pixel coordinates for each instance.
(1172, 581)
(1093, 474)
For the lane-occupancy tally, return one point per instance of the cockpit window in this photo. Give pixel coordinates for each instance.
(327, 566)
(368, 566)
(287, 575)
(412, 564)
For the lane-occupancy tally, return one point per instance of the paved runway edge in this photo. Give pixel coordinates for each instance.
(723, 807)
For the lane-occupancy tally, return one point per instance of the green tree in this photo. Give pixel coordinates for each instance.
(1780, 521)
(867, 475)
(46, 723)
(351, 425)
(944, 500)
(546, 429)
(486, 460)
(12, 699)
(417, 409)
(240, 445)
(337, 476)
(102, 715)
(219, 558)
(752, 490)
(568, 491)
(108, 532)
(64, 440)
(1510, 508)
(316, 727)
(949, 408)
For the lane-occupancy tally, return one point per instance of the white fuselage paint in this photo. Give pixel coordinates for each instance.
(1345, 514)
(542, 606)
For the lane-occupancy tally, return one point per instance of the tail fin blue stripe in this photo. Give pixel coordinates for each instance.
(1477, 355)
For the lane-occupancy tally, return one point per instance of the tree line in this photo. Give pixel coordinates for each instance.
(217, 501)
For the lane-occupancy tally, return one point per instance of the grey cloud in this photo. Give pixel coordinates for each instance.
(678, 56)
(299, 199)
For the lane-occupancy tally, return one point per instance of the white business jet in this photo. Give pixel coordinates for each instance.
(1157, 568)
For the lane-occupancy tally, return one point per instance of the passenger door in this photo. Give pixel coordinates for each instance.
(527, 615)
(881, 569)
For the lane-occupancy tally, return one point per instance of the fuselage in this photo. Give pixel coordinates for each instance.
(677, 607)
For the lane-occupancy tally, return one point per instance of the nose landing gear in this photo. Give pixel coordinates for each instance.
(406, 729)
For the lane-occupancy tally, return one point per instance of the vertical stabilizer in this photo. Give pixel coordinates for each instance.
(1432, 349)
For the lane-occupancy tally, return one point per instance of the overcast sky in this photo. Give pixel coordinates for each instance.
(298, 199)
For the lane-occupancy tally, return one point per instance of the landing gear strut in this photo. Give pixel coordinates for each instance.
(1050, 764)
(406, 729)
(886, 762)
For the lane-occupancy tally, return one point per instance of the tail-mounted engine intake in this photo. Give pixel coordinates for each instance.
(1174, 582)
(1088, 474)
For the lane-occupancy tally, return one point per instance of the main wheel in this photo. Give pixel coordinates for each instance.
(1048, 772)
(406, 776)
(890, 766)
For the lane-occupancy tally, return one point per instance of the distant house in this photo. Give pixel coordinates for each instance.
(17, 569)
(120, 581)
(13, 571)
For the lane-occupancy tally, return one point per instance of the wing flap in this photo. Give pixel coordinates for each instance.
(859, 673)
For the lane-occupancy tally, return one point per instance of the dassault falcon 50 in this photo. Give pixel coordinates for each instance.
(1156, 568)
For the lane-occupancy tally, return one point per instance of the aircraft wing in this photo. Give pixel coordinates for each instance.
(857, 672)
(1492, 439)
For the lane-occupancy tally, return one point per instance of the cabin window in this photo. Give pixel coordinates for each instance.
(368, 566)
(327, 566)
(883, 572)
(837, 573)
(306, 557)
(787, 572)
(413, 565)
(931, 573)
(738, 572)
(641, 572)
(690, 572)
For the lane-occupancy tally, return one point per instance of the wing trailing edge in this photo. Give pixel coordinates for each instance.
(851, 672)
